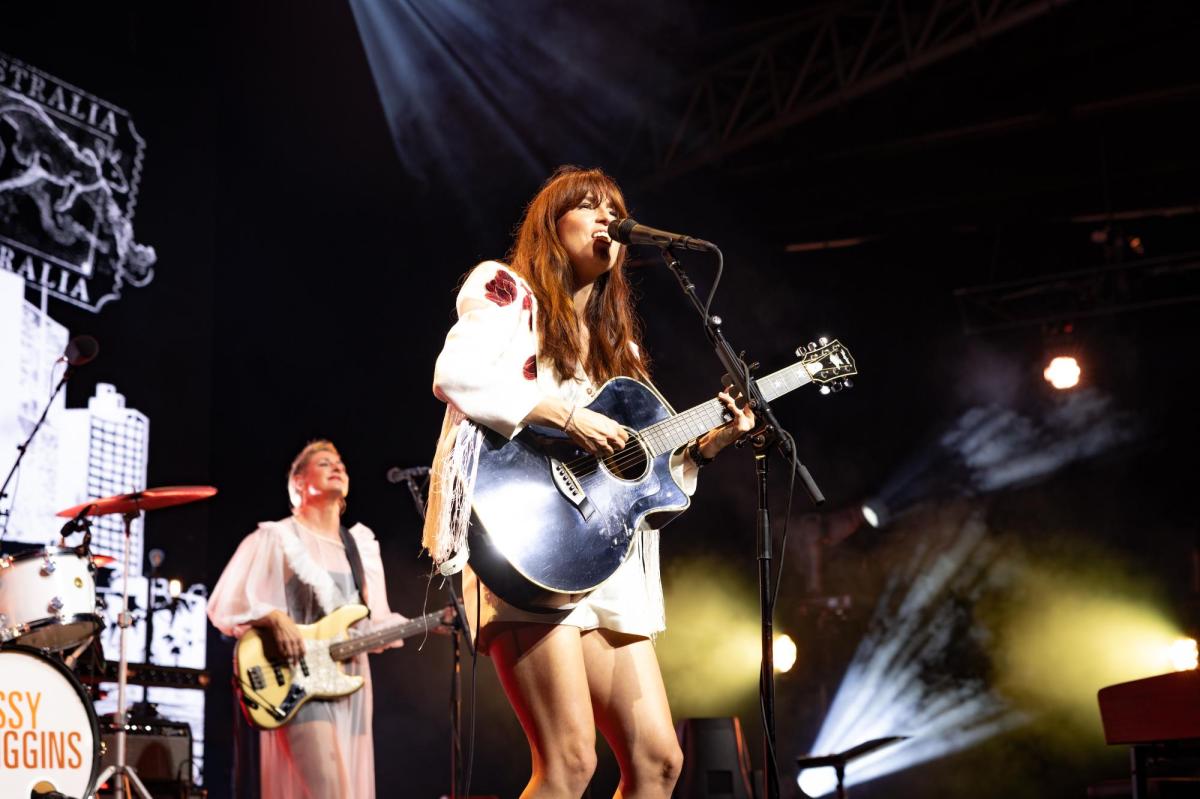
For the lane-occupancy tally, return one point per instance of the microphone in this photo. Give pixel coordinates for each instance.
(398, 475)
(81, 350)
(79, 522)
(628, 231)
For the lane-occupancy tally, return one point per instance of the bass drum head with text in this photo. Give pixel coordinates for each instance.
(49, 736)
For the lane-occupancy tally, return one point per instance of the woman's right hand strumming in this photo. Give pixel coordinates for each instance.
(593, 432)
(596, 433)
(288, 639)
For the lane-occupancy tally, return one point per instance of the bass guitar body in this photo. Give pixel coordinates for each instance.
(550, 522)
(274, 689)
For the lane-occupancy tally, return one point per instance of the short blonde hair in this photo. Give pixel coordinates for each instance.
(301, 463)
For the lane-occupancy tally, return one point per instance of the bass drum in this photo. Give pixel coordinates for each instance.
(49, 737)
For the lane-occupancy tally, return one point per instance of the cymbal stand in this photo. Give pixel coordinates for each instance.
(120, 769)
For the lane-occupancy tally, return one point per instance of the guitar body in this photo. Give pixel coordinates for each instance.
(549, 523)
(273, 690)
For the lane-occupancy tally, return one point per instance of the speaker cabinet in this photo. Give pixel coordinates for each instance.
(716, 763)
(160, 752)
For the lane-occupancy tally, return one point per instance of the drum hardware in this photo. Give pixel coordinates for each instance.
(71, 659)
(130, 506)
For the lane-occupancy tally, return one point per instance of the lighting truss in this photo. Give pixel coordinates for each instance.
(1120, 288)
(814, 61)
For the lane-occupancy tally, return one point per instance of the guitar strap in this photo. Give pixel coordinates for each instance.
(356, 567)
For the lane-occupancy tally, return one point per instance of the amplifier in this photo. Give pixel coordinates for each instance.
(160, 751)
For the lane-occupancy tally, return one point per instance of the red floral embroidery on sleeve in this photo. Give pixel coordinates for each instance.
(530, 370)
(502, 289)
(527, 305)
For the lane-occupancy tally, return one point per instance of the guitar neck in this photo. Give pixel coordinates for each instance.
(681, 428)
(344, 650)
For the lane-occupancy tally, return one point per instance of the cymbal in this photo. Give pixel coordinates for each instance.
(150, 499)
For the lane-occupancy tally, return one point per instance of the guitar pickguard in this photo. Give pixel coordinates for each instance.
(323, 678)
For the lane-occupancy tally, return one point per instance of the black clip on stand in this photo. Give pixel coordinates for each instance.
(767, 435)
(462, 634)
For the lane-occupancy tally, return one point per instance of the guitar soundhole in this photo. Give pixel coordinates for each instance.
(631, 462)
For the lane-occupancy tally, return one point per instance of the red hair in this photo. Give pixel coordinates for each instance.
(539, 257)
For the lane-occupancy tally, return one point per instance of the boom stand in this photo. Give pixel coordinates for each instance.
(762, 439)
(462, 634)
(22, 449)
(121, 770)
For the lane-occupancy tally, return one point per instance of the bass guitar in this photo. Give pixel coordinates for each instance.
(550, 522)
(272, 689)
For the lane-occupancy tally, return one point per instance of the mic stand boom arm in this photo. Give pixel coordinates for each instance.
(739, 373)
(769, 433)
(23, 448)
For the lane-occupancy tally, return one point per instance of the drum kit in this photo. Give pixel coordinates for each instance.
(50, 742)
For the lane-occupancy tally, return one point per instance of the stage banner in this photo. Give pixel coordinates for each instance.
(70, 164)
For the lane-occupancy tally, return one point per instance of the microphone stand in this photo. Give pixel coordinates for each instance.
(769, 434)
(462, 634)
(24, 448)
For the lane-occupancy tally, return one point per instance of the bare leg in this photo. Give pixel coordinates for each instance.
(317, 756)
(542, 671)
(631, 709)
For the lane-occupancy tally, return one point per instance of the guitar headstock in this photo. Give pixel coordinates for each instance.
(828, 363)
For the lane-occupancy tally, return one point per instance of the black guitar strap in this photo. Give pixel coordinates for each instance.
(356, 567)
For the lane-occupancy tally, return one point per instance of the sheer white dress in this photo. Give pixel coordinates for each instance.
(284, 566)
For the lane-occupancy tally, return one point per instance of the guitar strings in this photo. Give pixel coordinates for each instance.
(588, 465)
(631, 454)
(681, 421)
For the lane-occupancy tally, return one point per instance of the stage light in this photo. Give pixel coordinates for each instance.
(785, 653)
(1112, 629)
(175, 587)
(1184, 654)
(707, 672)
(1062, 372)
(875, 513)
(884, 692)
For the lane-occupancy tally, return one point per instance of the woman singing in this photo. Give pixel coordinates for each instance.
(535, 339)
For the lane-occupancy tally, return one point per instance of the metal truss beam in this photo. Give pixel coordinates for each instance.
(1069, 296)
(815, 62)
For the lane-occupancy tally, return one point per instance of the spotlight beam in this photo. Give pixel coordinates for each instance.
(886, 690)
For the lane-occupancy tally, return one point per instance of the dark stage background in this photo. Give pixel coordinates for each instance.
(307, 272)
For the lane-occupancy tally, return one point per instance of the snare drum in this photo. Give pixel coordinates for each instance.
(49, 738)
(48, 598)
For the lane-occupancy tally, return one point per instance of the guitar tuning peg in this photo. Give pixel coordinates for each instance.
(811, 346)
(754, 366)
(848, 383)
(823, 340)
(825, 391)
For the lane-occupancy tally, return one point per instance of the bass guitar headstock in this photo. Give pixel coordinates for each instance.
(828, 363)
